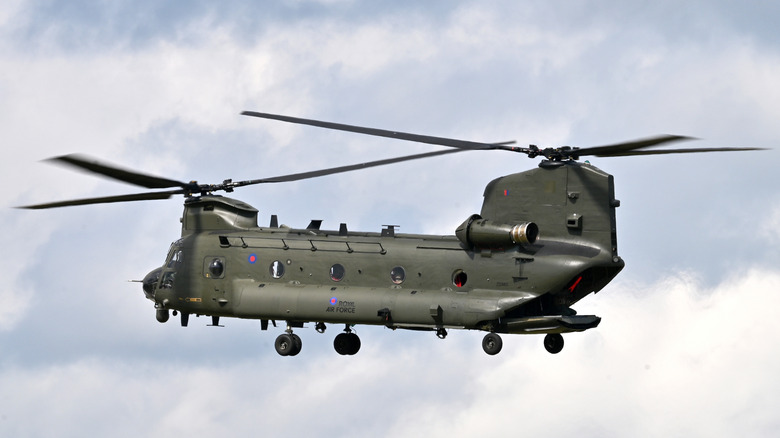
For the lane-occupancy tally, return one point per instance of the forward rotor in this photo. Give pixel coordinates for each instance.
(192, 188)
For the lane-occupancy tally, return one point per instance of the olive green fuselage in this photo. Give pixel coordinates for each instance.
(225, 265)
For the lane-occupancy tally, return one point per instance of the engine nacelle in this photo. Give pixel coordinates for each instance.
(482, 233)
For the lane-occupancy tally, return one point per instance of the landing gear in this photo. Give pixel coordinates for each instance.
(347, 343)
(492, 343)
(553, 343)
(288, 344)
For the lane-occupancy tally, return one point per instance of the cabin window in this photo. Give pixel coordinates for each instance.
(277, 269)
(459, 278)
(397, 275)
(337, 272)
(215, 268)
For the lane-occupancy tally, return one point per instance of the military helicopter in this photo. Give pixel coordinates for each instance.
(545, 239)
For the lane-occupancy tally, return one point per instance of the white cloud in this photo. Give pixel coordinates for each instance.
(684, 354)
(770, 228)
(670, 358)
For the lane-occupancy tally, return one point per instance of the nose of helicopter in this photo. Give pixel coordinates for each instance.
(150, 283)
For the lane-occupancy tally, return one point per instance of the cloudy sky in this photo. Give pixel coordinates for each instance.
(688, 344)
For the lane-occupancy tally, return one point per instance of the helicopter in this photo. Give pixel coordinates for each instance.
(545, 238)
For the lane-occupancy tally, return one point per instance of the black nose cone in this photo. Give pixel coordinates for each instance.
(150, 282)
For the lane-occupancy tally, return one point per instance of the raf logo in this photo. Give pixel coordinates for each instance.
(342, 307)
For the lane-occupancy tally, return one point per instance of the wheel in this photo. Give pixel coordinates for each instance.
(297, 344)
(354, 343)
(285, 344)
(553, 343)
(342, 343)
(492, 343)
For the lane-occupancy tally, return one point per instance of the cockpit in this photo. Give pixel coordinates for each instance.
(174, 261)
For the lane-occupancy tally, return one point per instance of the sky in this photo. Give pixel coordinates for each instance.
(688, 340)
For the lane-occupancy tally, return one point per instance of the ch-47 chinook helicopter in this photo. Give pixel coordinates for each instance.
(544, 239)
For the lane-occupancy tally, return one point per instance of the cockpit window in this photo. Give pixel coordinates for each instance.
(167, 281)
(177, 257)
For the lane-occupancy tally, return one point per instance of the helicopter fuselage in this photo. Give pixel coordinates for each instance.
(493, 275)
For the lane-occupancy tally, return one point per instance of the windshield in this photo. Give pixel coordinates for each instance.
(173, 262)
(175, 258)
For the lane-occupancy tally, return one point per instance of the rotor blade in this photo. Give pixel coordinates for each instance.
(340, 169)
(105, 200)
(441, 141)
(129, 176)
(620, 148)
(679, 151)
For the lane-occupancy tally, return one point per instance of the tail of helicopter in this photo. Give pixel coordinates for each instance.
(569, 201)
(573, 205)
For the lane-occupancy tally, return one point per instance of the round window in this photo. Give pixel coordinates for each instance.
(459, 278)
(337, 272)
(397, 275)
(277, 269)
(216, 268)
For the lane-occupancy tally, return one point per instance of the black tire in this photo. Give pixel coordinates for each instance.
(285, 344)
(297, 345)
(553, 343)
(354, 343)
(492, 343)
(342, 343)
